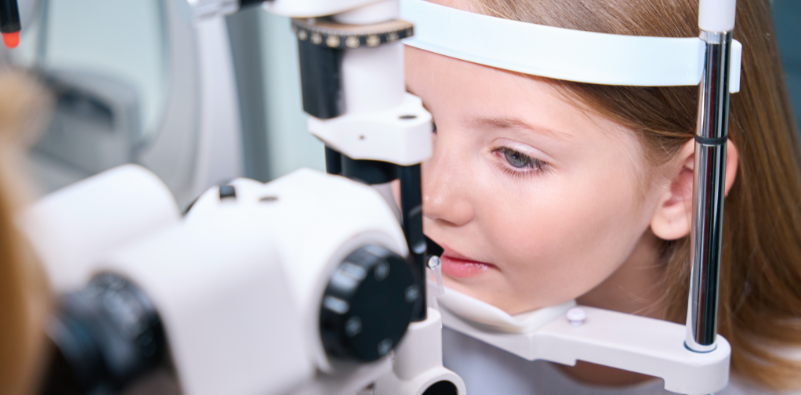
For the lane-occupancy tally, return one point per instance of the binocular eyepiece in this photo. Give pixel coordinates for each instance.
(103, 337)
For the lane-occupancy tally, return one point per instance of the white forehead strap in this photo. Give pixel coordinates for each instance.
(563, 54)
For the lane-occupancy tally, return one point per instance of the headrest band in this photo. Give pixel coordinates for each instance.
(563, 54)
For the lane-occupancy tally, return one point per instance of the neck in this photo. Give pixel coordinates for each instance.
(634, 289)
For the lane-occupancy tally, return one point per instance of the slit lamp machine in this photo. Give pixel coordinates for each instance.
(311, 284)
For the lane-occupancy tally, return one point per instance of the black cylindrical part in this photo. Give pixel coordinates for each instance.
(321, 79)
(9, 16)
(333, 161)
(250, 3)
(370, 172)
(104, 337)
(412, 209)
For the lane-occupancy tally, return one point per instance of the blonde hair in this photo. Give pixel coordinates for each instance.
(23, 289)
(760, 293)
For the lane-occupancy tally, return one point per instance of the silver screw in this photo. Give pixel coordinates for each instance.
(384, 346)
(434, 262)
(353, 326)
(381, 271)
(576, 316)
(412, 293)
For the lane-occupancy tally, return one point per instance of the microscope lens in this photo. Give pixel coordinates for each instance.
(103, 337)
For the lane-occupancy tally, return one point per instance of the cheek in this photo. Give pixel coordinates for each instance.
(566, 237)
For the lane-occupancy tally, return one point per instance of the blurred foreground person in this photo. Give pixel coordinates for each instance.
(24, 294)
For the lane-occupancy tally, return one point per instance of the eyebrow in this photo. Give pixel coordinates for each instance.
(511, 123)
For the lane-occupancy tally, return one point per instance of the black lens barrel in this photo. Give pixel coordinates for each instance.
(104, 337)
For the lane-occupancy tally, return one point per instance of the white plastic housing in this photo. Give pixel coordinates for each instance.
(373, 13)
(381, 121)
(372, 78)
(73, 227)
(716, 15)
(237, 283)
(400, 135)
(314, 220)
(629, 342)
(313, 8)
(221, 292)
(418, 361)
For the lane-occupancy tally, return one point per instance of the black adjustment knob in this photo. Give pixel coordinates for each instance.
(367, 305)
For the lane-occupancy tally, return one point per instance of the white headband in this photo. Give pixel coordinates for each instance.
(558, 53)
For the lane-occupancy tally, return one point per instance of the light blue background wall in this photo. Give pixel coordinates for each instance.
(787, 19)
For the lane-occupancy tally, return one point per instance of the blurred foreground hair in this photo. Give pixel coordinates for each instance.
(23, 288)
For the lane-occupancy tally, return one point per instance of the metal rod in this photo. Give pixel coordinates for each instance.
(708, 192)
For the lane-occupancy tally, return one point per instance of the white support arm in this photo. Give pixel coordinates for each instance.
(633, 343)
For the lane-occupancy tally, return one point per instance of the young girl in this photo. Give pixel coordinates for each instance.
(541, 191)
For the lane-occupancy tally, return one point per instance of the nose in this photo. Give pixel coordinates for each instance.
(446, 186)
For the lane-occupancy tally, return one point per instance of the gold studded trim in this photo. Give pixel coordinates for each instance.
(330, 34)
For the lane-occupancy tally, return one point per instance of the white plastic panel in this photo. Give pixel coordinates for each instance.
(735, 67)
(315, 220)
(716, 15)
(313, 8)
(551, 52)
(624, 341)
(221, 292)
(400, 135)
(72, 228)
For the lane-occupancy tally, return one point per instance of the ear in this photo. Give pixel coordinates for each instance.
(672, 218)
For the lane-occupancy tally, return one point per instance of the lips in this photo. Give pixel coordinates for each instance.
(455, 264)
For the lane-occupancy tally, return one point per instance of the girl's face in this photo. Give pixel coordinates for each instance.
(534, 200)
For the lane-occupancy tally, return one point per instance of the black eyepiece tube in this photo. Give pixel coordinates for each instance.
(103, 338)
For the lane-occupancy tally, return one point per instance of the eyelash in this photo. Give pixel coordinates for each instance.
(533, 165)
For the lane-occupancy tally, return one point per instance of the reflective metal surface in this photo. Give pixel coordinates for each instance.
(708, 193)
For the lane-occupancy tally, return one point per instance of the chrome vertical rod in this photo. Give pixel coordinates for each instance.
(708, 192)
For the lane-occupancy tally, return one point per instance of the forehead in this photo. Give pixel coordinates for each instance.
(459, 93)
(466, 5)
(451, 87)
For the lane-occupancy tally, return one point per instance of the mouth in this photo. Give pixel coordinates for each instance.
(457, 265)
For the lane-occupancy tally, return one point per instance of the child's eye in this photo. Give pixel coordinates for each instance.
(519, 160)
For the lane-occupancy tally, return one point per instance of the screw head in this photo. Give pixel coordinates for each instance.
(412, 293)
(576, 316)
(434, 262)
(353, 327)
(381, 271)
(384, 346)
